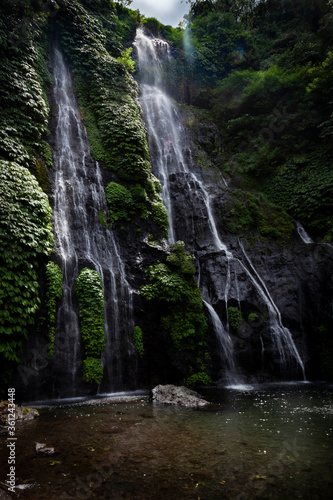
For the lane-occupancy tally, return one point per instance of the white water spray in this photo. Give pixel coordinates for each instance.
(303, 234)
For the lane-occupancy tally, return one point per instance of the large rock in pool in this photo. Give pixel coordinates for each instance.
(178, 396)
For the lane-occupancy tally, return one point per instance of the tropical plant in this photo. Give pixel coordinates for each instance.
(25, 236)
(89, 290)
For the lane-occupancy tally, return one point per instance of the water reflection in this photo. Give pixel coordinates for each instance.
(268, 442)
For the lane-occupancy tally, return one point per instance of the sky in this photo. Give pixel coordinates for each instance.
(166, 11)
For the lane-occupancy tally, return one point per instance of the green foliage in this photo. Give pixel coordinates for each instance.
(181, 260)
(172, 282)
(23, 78)
(126, 60)
(89, 290)
(107, 94)
(200, 378)
(173, 35)
(140, 200)
(253, 317)
(187, 324)
(102, 218)
(92, 370)
(248, 212)
(220, 43)
(25, 215)
(235, 317)
(54, 280)
(264, 69)
(172, 285)
(125, 203)
(160, 214)
(120, 202)
(138, 340)
(25, 235)
(303, 187)
(163, 284)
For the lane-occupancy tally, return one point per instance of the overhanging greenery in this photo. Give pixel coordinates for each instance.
(25, 235)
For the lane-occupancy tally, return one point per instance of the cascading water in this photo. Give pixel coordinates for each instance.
(225, 346)
(189, 203)
(303, 234)
(82, 241)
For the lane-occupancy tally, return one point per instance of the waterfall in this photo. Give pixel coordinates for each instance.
(189, 199)
(82, 241)
(225, 347)
(282, 338)
(303, 234)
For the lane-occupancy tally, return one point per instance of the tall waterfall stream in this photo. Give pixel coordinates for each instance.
(174, 166)
(81, 241)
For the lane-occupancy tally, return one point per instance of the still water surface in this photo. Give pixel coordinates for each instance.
(265, 442)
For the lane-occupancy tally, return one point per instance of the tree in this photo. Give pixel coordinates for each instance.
(126, 3)
(242, 10)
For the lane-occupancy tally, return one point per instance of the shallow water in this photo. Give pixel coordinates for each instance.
(267, 442)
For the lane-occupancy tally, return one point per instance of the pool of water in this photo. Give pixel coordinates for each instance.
(262, 441)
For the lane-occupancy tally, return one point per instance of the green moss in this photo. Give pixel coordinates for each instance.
(120, 202)
(141, 201)
(200, 378)
(89, 290)
(41, 174)
(160, 215)
(54, 280)
(124, 204)
(107, 94)
(173, 286)
(304, 188)
(24, 106)
(92, 370)
(102, 219)
(25, 235)
(235, 317)
(253, 317)
(249, 212)
(138, 340)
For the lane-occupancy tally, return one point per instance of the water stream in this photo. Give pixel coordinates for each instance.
(82, 241)
(174, 166)
(303, 234)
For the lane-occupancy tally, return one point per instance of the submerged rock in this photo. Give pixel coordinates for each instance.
(16, 412)
(24, 413)
(178, 396)
(42, 449)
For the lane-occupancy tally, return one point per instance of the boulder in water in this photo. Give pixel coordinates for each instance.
(42, 449)
(177, 396)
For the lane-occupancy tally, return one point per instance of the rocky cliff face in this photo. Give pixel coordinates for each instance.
(298, 276)
(276, 284)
